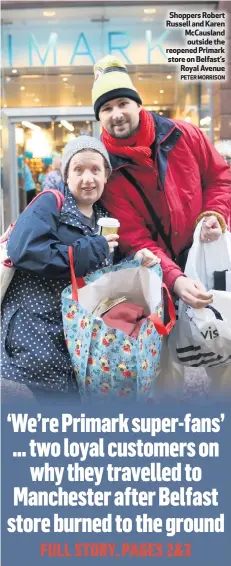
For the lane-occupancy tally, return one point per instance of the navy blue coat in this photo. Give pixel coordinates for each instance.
(33, 346)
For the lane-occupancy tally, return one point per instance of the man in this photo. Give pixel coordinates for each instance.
(166, 177)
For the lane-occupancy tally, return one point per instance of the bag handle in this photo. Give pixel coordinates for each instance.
(162, 329)
(59, 201)
(165, 329)
(6, 234)
(76, 282)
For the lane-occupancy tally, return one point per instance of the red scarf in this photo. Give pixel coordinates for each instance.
(137, 147)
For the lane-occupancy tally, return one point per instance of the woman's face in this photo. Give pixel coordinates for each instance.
(86, 177)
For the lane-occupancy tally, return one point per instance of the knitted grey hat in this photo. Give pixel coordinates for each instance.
(78, 144)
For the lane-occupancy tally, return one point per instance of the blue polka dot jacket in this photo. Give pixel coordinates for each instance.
(33, 347)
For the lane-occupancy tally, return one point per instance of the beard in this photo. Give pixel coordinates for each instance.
(125, 132)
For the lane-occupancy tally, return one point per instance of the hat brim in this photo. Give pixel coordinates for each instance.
(116, 93)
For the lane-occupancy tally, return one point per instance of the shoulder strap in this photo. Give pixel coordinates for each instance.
(155, 219)
(59, 197)
(59, 201)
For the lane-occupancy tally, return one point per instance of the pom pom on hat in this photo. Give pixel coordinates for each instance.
(111, 81)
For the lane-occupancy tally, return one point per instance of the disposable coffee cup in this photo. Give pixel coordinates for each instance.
(108, 226)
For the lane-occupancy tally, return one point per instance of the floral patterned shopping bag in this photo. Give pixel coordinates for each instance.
(107, 361)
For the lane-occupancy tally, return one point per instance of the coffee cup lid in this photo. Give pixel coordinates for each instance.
(107, 222)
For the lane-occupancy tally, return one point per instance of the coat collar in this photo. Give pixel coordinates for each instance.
(70, 213)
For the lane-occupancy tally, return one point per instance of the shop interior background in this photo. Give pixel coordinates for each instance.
(48, 55)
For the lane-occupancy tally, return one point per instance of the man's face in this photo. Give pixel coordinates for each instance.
(120, 117)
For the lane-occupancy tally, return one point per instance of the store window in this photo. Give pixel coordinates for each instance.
(48, 60)
(39, 149)
(159, 89)
(206, 108)
(48, 72)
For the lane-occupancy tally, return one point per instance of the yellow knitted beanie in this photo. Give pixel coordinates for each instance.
(111, 81)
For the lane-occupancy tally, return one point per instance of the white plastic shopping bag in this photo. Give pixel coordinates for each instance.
(202, 337)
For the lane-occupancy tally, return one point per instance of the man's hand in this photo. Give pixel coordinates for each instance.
(112, 241)
(192, 292)
(210, 230)
(148, 258)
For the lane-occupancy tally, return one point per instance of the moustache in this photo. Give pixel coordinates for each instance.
(119, 122)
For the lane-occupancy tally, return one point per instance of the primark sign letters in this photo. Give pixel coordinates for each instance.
(23, 48)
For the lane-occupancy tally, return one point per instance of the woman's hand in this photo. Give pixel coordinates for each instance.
(193, 293)
(148, 258)
(210, 230)
(112, 241)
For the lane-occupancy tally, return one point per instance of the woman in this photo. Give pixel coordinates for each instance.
(54, 179)
(41, 176)
(33, 346)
